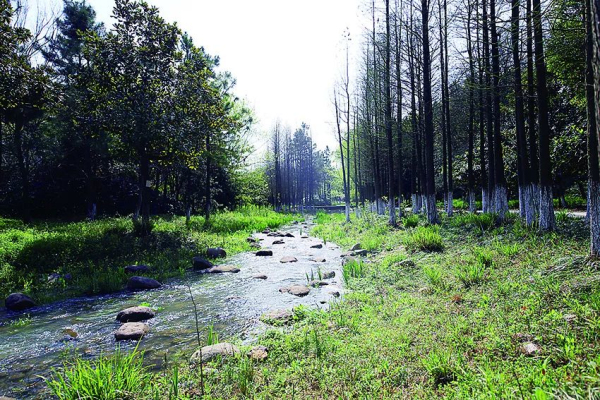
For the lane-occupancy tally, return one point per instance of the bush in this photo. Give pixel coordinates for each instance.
(425, 238)
(410, 221)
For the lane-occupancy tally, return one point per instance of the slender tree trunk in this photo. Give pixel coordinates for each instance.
(23, 171)
(491, 178)
(471, 83)
(444, 130)
(207, 205)
(546, 218)
(522, 163)
(388, 118)
(534, 176)
(432, 216)
(400, 169)
(593, 133)
(341, 144)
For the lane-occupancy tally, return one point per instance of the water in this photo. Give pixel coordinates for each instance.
(232, 303)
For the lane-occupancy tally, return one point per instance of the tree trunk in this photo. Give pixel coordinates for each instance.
(23, 171)
(534, 176)
(546, 217)
(470, 154)
(593, 133)
(432, 216)
(388, 119)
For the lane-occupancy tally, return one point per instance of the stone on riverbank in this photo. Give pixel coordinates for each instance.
(260, 276)
(208, 353)
(328, 275)
(216, 252)
(135, 314)
(277, 317)
(286, 260)
(19, 302)
(278, 242)
(223, 269)
(201, 263)
(136, 269)
(318, 259)
(132, 331)
(317, 246)
(296, 290)
(258, 353)
(357, 246)
(142, 283)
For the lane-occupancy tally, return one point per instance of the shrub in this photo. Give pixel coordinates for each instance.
(425, 238)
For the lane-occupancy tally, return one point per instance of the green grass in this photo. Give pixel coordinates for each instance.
(419, 330)
(425, 238)
(114, 377)
(94, 253)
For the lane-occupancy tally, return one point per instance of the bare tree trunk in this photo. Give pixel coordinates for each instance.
(470, 154)
(546, 218)
(388, 118)
(533, 205)
(593, 133)
(432, 215)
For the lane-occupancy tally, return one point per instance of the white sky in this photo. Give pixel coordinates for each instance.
(285, 54)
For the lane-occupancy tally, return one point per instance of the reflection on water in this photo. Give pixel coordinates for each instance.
(233, 303)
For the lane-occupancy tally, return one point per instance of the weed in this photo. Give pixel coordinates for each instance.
(353, 269)
(434, 276)
(439, 365)
(410, 221)
(470, 274)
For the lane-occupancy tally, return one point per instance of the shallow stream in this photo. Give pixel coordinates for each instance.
(232, 303)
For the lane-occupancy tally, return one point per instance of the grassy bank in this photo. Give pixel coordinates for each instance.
(91, 255)
(465, 310)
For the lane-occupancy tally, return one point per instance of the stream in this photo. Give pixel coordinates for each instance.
(232, 303)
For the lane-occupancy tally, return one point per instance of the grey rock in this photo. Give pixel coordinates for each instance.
(317, 246)
(289, 235)
(304, 237)
(317, 283)
(288, 259)
(361, 253)
(208, 353)
(135, 314)
(201, 263)
(258, 353)
(278, 242)
(260, 276)
(19, 302)
(318, 259)
(296, 290)
(277, 317)
(224, 268)
(216, 252)
(530, 349)
(264, 253)
(136, 269)
(255, 245)
(357, 246)
(251, 239)
(328, 274)
(142, 283)
(132, 331)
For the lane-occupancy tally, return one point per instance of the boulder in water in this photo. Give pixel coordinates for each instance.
(216, 252)
(132, 331)
(328, 274)
(142, 283)
(317, 283)
(264, 253)
(317, 246)
(19, 302)
(252, 239)
(289, 235)
(208, 353)
(201, 263)
(286, 260)
(318, 259)
(260, 276)
(135, 314)
(278, 242)
(296, 290)
(223, 268)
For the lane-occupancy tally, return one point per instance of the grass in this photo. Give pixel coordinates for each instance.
(114, 377)
(94, 253)
(416, 330)
(425, 238)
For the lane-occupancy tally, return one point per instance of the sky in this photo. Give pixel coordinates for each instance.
(284, 54)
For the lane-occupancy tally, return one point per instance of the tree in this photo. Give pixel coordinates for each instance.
(592, 19)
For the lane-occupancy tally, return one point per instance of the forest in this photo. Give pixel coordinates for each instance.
(447, 245)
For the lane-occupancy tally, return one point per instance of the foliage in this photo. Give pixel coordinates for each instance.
(425, 238)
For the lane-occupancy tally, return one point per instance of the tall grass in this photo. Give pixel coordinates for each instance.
(425, 238)
(353, 269)
(115, 377)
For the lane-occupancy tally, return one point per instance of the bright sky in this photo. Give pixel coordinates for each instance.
(284, 54)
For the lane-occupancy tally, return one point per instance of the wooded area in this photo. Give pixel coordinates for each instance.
(131, 120)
